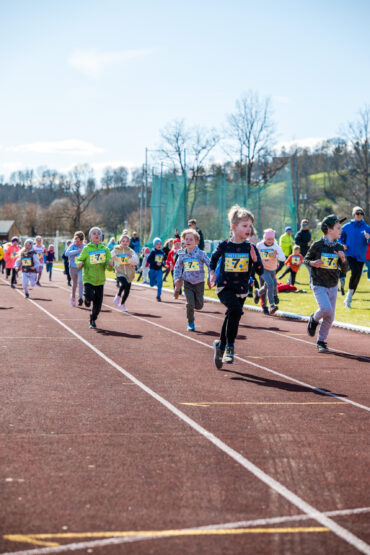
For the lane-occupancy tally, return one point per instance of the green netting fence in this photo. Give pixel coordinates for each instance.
(208, 200)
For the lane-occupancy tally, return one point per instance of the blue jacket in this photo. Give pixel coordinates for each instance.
(353, 237)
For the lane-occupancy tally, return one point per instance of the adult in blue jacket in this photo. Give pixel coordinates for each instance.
(354, 238)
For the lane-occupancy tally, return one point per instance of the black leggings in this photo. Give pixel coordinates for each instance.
(293, 275)
(234, 312)
(94, 294)
(124, 286)
(356, 271)
(14, 275)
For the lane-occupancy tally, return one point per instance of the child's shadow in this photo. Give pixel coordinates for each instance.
(113, 333)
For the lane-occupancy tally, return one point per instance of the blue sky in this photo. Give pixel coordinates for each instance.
(95, 81)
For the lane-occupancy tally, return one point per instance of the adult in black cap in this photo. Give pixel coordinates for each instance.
(303, 237)
(354, 237)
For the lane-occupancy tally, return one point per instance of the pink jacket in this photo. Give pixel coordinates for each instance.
(11, 255)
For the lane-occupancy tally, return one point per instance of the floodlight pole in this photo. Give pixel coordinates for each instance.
(146, 194)
(185, 191)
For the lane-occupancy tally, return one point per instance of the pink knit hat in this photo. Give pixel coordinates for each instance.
(269, 235)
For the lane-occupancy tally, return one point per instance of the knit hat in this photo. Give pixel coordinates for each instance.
(177, 240)
(156, 240)
(13, 239)
(29, 240)
(288, 228)
(330, 221)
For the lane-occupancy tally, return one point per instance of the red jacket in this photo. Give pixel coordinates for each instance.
(170, 262)
(11, 255)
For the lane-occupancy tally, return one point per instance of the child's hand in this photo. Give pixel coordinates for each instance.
(316, 263)
(212, 278)
(273, 254)
(209, 284)
(178, 284)
(253, 254)
(341, 255)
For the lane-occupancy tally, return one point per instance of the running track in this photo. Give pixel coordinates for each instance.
(127, 439)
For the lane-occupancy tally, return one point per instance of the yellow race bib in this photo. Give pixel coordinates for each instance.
(158, 258)
(265, 253)
(329, 261)
(236, 262)
(123, 259)
(26, 262)
(191, 265)
(97, 257)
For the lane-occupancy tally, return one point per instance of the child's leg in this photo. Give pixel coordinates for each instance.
(159, 283)
(292, 276)
(145, 274)
(50, 270)
(152, 277)
(286, 271)
(80, 285)
(269, 277)
(25, 283)
(74, 276)
(199, 295)
(97, 301)
(190, 300)
(233, 314)
(326, 298)
(14, 276)
(367, 262)
(39, 273)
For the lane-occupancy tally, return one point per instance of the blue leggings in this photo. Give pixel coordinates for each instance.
(156, 278)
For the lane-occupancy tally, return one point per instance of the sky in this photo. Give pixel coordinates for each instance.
(95, 81)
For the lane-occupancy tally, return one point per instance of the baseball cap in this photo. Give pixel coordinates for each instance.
(330, 221)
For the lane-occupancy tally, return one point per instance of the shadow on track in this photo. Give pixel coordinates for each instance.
(6, 307)
(112, 333)
(277, 384)
(145, 315)
(360, 358)
(38, 299)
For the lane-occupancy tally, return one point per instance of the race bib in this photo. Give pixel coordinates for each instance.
(329, 261)
(13, 255)
(236, 262)
(123, 259)
(296, 260)
(191, 265)
(265, 253)
(26, 262)
(158, 258)
(97, 257)
(40, 256)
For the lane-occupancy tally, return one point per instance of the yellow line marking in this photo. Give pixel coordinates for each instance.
(207, 404)
(39, 539)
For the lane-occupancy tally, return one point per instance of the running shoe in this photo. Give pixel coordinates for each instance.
(311, 326)
(191, 326)
(228, 356)
(116, 300)
(27, 296)
(176, 294)
(73, 301)
(92, 324)
(256, 296)
(265, 310)
(159, 299)
(217, 354)
(80, 302)
(12, 285)
(276, 299)
(322, 347)
(87, 302)
(123, 308)
(273, 309)
(38, 284)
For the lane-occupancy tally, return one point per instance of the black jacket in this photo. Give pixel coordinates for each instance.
(328, 274)
(302, 238)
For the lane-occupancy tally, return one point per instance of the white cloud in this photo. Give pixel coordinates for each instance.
(11, 167)
(308, 142)
(69, 146)
(92, 62)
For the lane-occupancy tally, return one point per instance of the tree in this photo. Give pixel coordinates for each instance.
(251, 130)
(82, 191)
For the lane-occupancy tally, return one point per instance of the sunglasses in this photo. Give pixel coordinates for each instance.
(359, 213)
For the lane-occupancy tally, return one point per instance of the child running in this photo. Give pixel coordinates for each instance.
(94, 259)
(29, 262)
(71, 253)
(189, 268)
(125, 261)
(231, 266)
(270, 253)
(325, 257)
(156, 263)
(50, 257)
(10, 257)
(40, 250)
(293, 263)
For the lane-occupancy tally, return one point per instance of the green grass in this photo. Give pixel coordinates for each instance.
(305, 303)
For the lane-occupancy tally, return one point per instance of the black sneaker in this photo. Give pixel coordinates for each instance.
(217, 354)
(273, 309)
(322, 347)
(228, 356)
(159, 299)
(276, 299)
(80, 302)
(92, 324)
(265, 310)
(311, 326)
(87, 302)
(26, 296)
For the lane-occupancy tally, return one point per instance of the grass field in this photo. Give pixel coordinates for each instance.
(304, 303)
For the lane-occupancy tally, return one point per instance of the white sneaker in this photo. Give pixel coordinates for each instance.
(73, 301)
(123, 308)
(347, 303)
(116, 300)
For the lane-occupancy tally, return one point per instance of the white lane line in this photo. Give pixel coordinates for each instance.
(284, 335)
(139, 537)
(305, 507)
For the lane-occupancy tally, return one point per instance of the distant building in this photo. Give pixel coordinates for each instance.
(8, 229)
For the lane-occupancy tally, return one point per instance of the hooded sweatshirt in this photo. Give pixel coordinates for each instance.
(95, 259)
(123, 265)
(11, 255)
(353, 237)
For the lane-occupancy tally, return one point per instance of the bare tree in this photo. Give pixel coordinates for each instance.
(252, 130)
(82, 191)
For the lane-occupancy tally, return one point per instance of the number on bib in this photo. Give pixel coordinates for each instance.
(329, 261)
(123, 259)
(26, 262)
(191, 265)
(236, 262)
(97, 257)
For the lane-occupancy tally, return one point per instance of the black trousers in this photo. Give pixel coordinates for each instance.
(14, 275)
(356, 271)
(124, 287)
(94, 294)
(234, 312)
(293, 275)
